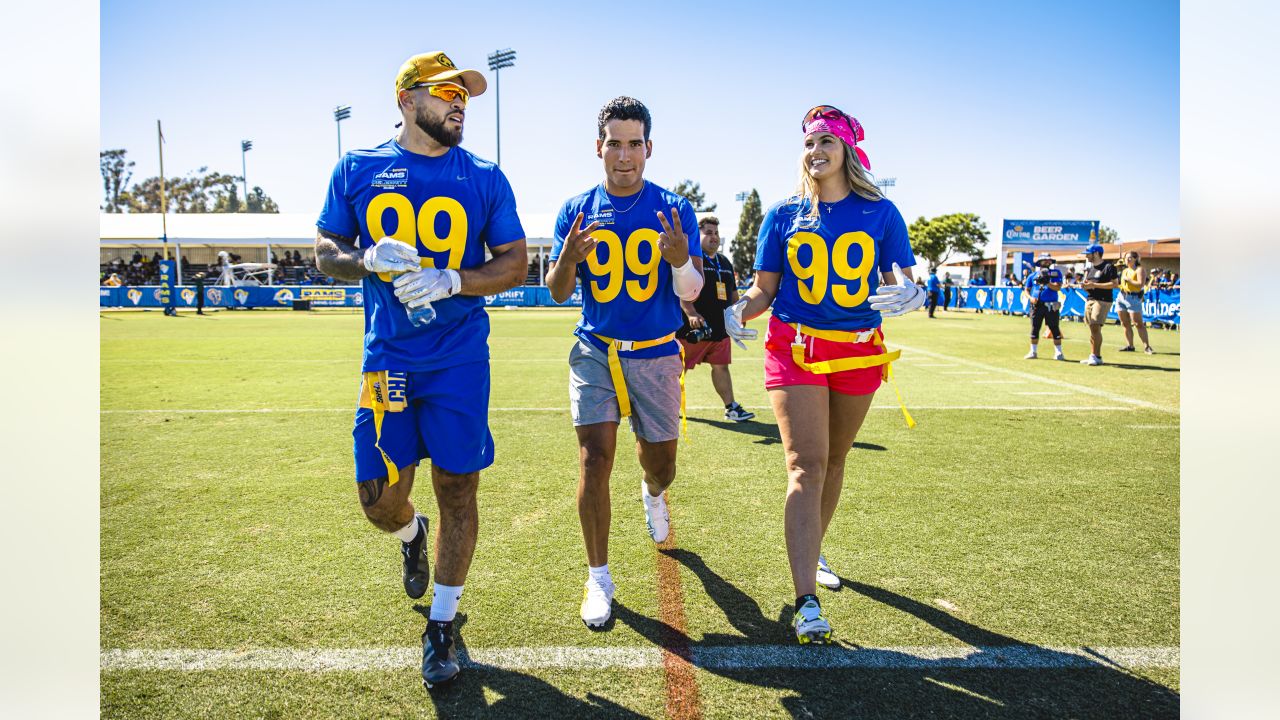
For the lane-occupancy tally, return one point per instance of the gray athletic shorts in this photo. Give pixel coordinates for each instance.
(653, 386)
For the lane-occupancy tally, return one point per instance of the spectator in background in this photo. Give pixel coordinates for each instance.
(947, 284)
(1044, 303)
(934, 286)
(113, 280)
(199, 281)
(703, 336)
(1129, 303)
(977, 281)
(1100, 279)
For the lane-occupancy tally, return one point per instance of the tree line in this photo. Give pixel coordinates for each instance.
(200, 191)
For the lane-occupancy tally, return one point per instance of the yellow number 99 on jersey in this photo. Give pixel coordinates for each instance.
(821, 265)
(414, 227)
(611, 268)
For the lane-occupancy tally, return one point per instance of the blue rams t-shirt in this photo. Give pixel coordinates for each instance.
(934, 284)
(626, 285)
(450, 207)
(1042, 293)
(830, 268)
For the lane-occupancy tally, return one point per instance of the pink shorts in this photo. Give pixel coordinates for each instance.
(716, 353)
(781, 370)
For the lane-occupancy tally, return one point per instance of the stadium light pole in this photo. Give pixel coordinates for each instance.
(499, 59)
(884, 183)
(245, 146)
(340, 113)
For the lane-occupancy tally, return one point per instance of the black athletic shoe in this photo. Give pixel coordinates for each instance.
(417, 569)
(439, 660)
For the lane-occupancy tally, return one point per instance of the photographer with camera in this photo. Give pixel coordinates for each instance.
(703, 337)
(1042, 286)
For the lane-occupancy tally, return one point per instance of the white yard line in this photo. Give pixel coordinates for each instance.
(999, 382)
(935, 364)
(1152, 427)
(1083, 389)
(964, 372)
(1041, 392)
(734, 657)
(565, 409)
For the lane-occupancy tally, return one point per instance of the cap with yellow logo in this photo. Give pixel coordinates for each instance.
(433, 67)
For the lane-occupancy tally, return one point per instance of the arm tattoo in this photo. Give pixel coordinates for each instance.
(338, 257)
(371, 491)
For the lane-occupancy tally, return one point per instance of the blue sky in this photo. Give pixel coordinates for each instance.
(1007, 109)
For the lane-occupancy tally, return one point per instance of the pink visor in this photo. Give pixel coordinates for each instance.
(830, 120)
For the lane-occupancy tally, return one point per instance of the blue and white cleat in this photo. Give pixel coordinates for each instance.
(809, 623)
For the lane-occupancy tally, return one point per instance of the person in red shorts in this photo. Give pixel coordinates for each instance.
(829, 263)
(703, 337)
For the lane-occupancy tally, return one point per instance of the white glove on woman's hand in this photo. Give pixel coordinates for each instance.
(735, 326)
(899, 298)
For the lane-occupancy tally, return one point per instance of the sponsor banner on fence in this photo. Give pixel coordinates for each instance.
(1047, 234)
(285, 295)
(1157, 305)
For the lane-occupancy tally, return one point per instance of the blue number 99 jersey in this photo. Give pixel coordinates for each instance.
(830, 267)
(450, 207)
(626, 285)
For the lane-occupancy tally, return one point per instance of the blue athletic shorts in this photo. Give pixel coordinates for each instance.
(402, 418)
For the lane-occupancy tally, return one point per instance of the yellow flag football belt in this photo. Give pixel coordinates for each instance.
(383, 391)
(826, 367)
(620, 382)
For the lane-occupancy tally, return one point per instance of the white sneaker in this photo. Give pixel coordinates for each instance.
(1091, 360)
(827, 577)
(597, 602)
(1030, 356)
(656, 516)
(810, 625)
(1059, 356)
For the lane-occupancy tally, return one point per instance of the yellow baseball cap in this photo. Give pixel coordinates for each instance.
(435, 66)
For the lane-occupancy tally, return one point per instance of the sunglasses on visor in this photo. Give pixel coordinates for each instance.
(832, 113)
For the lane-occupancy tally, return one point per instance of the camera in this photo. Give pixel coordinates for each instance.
(699, 334)
(1042, 278)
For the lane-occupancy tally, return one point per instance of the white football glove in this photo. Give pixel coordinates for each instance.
(391, 255)
(735, 326)
(425, 286)
(899, 298)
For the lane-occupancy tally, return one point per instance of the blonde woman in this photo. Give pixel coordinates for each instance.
(1129, 304)
(828, 263)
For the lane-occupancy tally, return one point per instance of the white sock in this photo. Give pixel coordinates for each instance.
(409, 532)
(600, 574)
(444, 602)
(1033, 348)
(1057, 347)
(647, 496)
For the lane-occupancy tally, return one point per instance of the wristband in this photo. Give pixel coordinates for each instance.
(686, 281)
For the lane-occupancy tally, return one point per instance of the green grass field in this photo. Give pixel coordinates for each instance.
(1034, 508)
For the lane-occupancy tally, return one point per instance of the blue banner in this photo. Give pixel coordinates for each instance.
(1048, 234)
(263, 296)
(1157, 305)
(168, 272)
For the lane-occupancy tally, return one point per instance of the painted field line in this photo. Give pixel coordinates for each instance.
(1152, 427)
(1041, 392)
(964, 372)
(1083, 389)
(935, 364)
(743, 657)
(290, 411)
(999, 382)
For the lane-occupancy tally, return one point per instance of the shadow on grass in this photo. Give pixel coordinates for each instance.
(518, 695)
(768, 432)
(906, 686)
(1131, 366)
